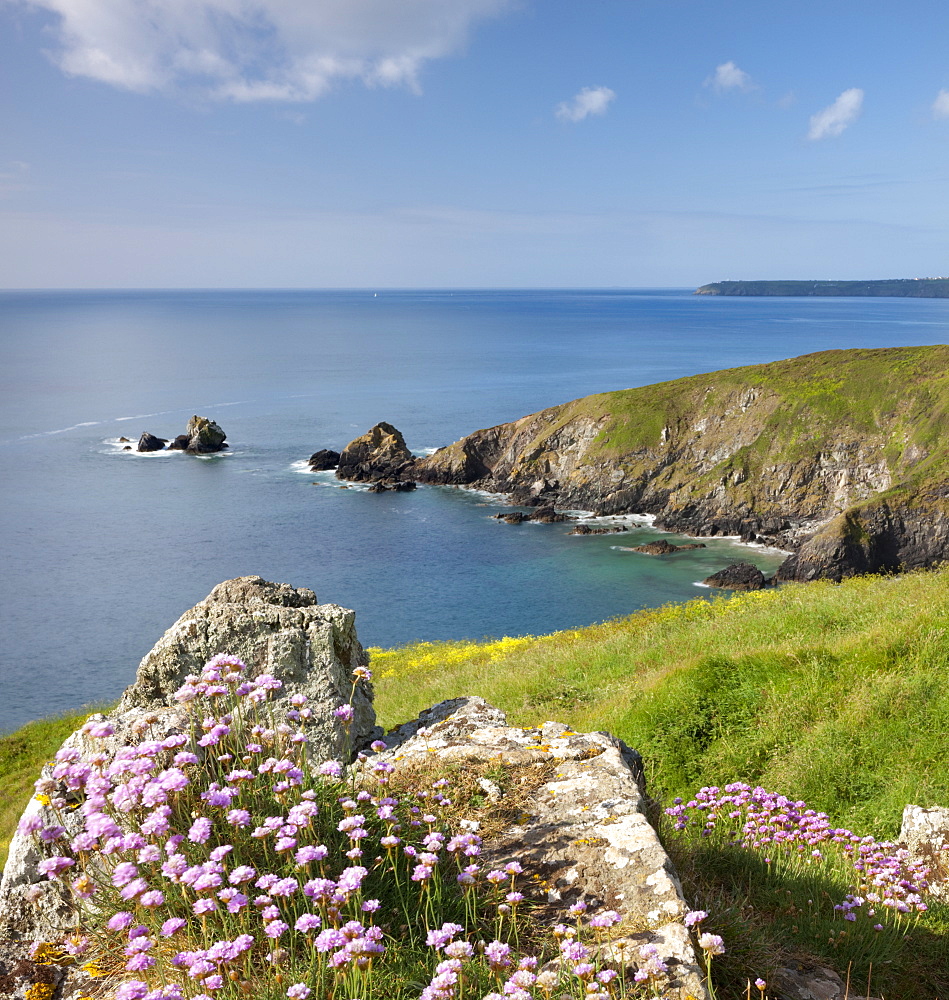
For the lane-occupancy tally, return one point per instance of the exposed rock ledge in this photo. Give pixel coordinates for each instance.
(839, 457)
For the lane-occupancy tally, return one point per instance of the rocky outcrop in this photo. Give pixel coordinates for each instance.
(380, 453)
(925, 834)
(148, 442)
(322, 460)
(202, 437)
(276, 629)
(901, 530)
(664, 548)
(738, 576)
(393, 486)
(585, 529)
(839, 457)
(583, 835)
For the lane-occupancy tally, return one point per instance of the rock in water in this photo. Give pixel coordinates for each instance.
(204, 436)
(323, 459)
(664, 548)
(180, 443)
(148, 442)
(380, 453)
(738, 576)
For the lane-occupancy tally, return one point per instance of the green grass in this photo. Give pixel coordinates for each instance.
(22, 754)
(831, 693)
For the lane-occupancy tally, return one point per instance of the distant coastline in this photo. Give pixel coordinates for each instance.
(906, 288)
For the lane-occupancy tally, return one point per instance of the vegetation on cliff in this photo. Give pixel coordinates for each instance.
(840, 455)
(917, 288)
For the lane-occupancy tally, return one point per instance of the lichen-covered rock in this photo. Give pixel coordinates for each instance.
(582, 835)
(925, 834)
(204, 436)
(380, 453)
(275, 629)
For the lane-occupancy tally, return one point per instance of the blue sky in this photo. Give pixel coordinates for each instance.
(470, 143)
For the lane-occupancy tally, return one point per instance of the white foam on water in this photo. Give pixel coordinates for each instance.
(705, 586)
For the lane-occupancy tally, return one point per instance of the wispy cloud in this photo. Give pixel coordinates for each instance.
(836, 117)
(941, 105)
(259, 50)
(589, 101)
(728, 77)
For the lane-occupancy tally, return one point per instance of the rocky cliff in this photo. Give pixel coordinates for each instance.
(838, 456)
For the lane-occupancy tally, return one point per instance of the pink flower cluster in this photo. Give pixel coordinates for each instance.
(773, 824)
(215, 858)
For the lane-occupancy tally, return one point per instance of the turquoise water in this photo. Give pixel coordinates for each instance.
(103, 549)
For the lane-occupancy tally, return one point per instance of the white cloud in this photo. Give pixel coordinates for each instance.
(589, 101)
(727, 77)
(259, 50)
(941, 105)
(837, 116)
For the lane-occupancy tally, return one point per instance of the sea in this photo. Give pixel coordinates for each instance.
(103, 549)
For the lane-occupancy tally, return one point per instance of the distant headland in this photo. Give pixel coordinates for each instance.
(913, 288)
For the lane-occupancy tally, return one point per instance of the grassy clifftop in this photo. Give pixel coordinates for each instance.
(778, 450)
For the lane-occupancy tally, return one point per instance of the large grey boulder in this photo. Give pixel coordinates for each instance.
(275, 629)
(583, 835)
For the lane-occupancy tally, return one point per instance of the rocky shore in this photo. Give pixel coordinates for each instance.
(837, 457)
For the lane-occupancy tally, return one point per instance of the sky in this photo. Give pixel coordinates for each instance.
(470, 143)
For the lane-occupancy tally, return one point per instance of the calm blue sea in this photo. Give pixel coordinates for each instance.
(102, 550)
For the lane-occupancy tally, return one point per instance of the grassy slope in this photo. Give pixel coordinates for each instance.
(823, 391)
(891, 404)
(22, 754)
(831, 693)
(835, 694)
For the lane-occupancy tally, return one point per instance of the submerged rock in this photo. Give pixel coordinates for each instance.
(513, 517)
(738, 576)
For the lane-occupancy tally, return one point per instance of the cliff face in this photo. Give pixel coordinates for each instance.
(794, 452)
